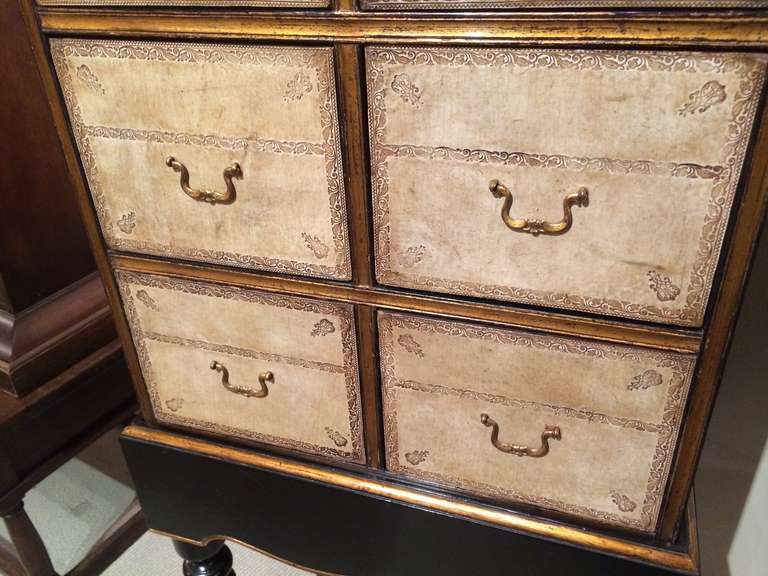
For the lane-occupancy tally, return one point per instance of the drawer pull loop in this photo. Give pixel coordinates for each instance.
(535, 226)
(264, 377)
(210, 196)
(552, 432)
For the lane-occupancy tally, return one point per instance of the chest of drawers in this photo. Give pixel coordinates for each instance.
(491, 257)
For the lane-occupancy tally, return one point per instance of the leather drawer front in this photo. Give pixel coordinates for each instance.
(618, 409)
(193, 3)
(271, 109)
(181, 327)
(656, 139)
(521, 4)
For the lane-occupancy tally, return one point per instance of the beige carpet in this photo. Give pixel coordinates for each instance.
(72, 507)
(155, 553)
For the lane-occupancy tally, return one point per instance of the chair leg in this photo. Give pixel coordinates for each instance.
(27, 542)
(214, 559)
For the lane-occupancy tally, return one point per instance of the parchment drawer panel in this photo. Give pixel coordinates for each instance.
(271, 109)
(550, 4)
(655, 140)
(194, 3)
(180, 327)
(618, 410)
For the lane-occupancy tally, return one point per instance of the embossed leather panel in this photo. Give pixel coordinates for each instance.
(657, 140)
(182, 327)
(618, 409)
(270, 109)
(193, 3)
(514, 4)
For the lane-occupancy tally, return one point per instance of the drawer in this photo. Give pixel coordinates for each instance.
(236, 362)
(508, 174)
(609, 416)
(212, 153)
(193, 3)
(549, 4)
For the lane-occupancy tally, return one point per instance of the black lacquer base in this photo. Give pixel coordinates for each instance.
(330, 530)
(214, 559)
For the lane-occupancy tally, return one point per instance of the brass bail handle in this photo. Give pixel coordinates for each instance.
(261, 392)
(549, 433)
(210, 196)
(535, 226)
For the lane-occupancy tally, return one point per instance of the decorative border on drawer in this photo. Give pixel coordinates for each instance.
(725, 176)
(667, 430)
(517, 4)
(342, 313)
(194, 3)
(319, 58)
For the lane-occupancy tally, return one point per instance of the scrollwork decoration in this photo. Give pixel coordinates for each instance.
(416, 457)
(86, 75)
(127, 222)
(318, 247)
(711, 94)
(297, 87)
(623, 502)
(648, 379)
(407, 90)
(413, 255)
(410, 345)
(174, 404)
(336, 437)
(144, 297)
(665, 290)
(323, 327)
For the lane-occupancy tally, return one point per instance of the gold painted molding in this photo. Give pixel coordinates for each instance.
(703, 30)
(423, 499)
(607, 330)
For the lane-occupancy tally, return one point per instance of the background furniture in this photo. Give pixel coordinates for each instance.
(326, 305)
(62, 371)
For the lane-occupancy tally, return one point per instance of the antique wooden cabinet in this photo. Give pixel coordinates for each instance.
(478, 258)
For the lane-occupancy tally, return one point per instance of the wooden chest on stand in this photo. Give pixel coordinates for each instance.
(476, 259)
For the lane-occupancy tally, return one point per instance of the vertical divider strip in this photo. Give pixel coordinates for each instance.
(349, 64)
(368, 360)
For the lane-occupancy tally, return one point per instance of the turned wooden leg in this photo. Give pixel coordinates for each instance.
(27, 542)
(215, 559)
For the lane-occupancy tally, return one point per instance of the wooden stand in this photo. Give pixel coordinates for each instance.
(213, 559)
(323, 528)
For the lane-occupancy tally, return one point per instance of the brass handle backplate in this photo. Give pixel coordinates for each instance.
(209, 196)
(550, 432)
(263, 390)
(535, 226)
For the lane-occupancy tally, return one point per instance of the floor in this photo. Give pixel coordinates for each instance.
(73, 506)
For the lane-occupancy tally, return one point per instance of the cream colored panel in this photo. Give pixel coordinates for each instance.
(180, 327)
(270, 109)
(657, 140)
(257, 220)
(516, 4)
(300, 405)
(619, 410)
(194, 3)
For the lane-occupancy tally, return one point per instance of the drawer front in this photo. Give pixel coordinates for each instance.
(254, 134)
(519, 4)
(236, 362)
(647, 212)
(194, 3)
(610, 416)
